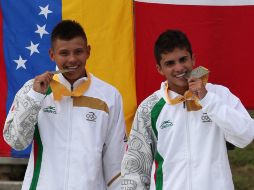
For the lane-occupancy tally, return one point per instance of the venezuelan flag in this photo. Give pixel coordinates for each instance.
(25, 39)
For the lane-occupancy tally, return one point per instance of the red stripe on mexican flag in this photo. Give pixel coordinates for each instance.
(221, 34)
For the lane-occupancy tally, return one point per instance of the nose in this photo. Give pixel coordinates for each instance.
(179, 67)
(72, 58)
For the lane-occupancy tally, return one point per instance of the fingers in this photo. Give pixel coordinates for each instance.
(197, 87)
(194, 84)
(41, 82)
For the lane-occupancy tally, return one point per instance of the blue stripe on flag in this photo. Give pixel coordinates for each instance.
(26, 31)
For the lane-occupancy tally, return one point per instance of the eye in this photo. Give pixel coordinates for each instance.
(183, 59)
(169, 63)
(79, 51)
(63, 53)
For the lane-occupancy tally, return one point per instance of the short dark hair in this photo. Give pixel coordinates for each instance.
(67, 30)
(168, 41)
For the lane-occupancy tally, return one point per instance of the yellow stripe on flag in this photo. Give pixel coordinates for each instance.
(109, 29)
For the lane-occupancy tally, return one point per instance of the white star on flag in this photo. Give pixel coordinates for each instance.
(45, 11)
(41, 30)
(33, 48)
(20, 62)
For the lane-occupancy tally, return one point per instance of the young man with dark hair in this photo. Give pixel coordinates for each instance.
(178, 138)
(74, 120)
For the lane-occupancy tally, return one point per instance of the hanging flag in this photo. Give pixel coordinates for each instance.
(221, 33)
(25, 39)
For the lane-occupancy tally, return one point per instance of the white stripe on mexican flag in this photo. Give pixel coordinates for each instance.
(221, 36)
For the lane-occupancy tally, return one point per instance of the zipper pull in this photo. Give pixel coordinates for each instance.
(71, 89)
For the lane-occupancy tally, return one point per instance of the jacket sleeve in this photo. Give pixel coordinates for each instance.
(115, 144)
(23, 115)
(138, 159)
(228, 113)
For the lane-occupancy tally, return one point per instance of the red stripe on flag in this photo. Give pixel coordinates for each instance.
(5, 149)
(221, 36)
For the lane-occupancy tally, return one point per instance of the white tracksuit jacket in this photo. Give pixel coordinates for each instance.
(170, 148)
(78, 143)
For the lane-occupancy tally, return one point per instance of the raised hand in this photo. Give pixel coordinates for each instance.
(41, 82)
(197, 87)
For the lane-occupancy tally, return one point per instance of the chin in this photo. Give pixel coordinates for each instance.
(183, 84)
(71, 76)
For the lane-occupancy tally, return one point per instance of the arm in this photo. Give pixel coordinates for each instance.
(138, 160)
(227, 111)
(22, 117)
(113, 149)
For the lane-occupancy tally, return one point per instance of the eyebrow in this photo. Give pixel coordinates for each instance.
(169, 62)
(185, 56)
(173, 61)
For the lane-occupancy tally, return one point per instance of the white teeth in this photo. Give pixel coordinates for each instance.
(181, 75)
(72, 67)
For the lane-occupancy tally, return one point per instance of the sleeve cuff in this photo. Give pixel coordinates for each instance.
(38, 97)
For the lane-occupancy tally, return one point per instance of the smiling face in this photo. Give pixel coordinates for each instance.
(71, 54)
(175, 66)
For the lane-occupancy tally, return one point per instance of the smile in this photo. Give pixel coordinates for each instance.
(181, 75)
(72, 68)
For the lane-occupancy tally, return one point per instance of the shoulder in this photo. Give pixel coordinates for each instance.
(223, 92)
(142, 122)
(104, 91)
(216, 88)
(219, 90)
(103, 86)
(148, 104)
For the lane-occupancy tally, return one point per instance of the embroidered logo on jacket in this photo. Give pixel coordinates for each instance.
(166, 124)
(50, 109)
(205, 118)
(91, 117)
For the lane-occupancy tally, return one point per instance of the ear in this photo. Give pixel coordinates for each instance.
(51, 54)
(193, 59)
(159, 69)
(88, 50)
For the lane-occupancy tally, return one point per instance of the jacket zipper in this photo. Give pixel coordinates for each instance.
(68, 146)
(188, 149)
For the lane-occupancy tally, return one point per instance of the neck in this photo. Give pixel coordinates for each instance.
(72, 81)
(179, 89)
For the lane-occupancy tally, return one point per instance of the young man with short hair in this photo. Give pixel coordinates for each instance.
(74, 120)
(178, 138)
